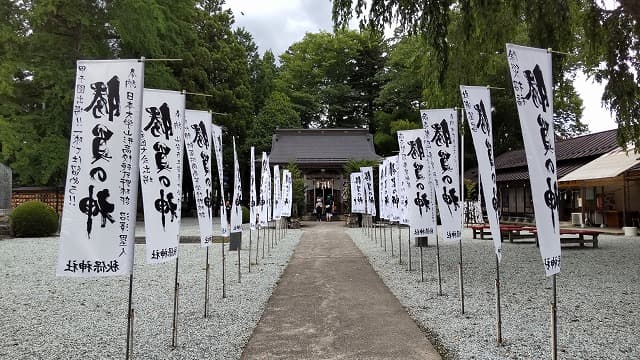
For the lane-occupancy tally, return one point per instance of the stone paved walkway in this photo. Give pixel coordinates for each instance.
(330, 304)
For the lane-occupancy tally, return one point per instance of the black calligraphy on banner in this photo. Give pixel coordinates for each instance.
(106, 99)
(159, 121)
(530, 70)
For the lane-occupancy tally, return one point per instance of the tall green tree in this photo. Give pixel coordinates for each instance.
(331, 78)
(278, 112)
(596, 34)
(51, 36)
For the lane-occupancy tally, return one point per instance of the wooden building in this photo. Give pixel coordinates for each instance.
(598, 182)
(320, 154)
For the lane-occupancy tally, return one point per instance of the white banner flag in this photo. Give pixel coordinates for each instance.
(253, 202)
(277, 196)
(357, 193)
(99, 216)
(382, 189)
(369, 193)
(161, 146)
(532, 85)
(402, 193)
(264, 199)
(441, 126)
(287, 192)
(393, 193)
(236, 207)
(269, 194)
(197, 142)
(421, 207)
(216, 135)
(477, 104)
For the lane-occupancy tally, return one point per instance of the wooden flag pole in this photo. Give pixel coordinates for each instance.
(409, 245)
(257, 242)
(239, 273)
(462, 199)
(438, 265)
(224, 283)
(421, 265)
(399, 243)
(498, 311)
(266, 239)
(176, 289)
(206, 284)
(250, 245)
(554, 321)
(385, 237)
(460, 279)
(391, 239)
(130, 318)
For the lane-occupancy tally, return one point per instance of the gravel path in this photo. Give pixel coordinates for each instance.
(44, 317)
(598, 302)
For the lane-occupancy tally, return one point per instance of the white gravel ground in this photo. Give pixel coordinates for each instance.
(44, 317)
(598, 297)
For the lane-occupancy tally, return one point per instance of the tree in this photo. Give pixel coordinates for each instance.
(597, 35)
(35, 120)
(278, 112)
(298, 189)
(354, 166)
(331, 78)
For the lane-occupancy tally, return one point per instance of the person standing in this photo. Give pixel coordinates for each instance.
(329, 208)
(319, 209)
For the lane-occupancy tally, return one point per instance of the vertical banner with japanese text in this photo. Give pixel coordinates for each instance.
(395, 213)
(161, 146)
(477, 105)
(287, 192)
(403, 200)
(264, 200)
(236, 207)
(357, 193)
(441, 127)
(277, 190)
(530, 70)
(216, 135)
(253, 203)
(101, 189)
(382, 189)
(269, 194)
(369, 193)
(197, 142)
(421, 204)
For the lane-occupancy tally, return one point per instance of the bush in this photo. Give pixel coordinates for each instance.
(33, 218)
(245, 215)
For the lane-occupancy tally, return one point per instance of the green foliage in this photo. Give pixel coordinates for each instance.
(246, 213)
(354, 166)
(604, 43)
(470, 189)
(278, 112)
(331, 78)
(41, 41)
(32, 219)
(298, 190)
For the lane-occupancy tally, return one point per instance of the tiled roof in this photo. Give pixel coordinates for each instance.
(321, 146)
(586, 146)
(523, 173)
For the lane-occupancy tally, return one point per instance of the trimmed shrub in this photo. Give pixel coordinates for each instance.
(245, 215)
(33, 219)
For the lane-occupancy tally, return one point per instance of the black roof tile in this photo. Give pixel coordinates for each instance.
(321, 146)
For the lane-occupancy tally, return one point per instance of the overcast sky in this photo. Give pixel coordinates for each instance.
(276, 24)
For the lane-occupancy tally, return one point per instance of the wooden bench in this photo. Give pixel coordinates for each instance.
(514, 232)
(480, 229)
(581, 237)
(510, 232)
